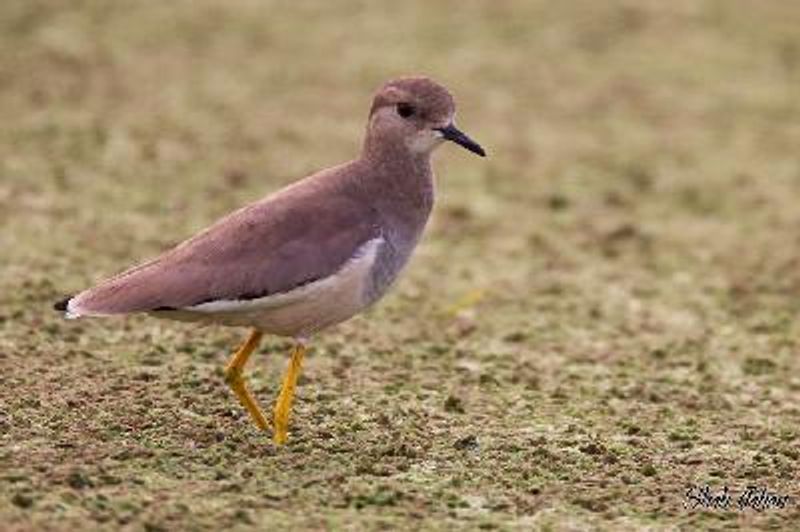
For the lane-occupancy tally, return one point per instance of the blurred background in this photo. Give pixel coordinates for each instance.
(602, 313)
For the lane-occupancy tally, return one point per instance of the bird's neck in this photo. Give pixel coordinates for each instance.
(400, 178)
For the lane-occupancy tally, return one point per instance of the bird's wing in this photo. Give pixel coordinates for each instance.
(269, 247)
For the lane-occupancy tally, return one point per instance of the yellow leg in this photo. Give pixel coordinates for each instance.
(283, 406)
(233, 376)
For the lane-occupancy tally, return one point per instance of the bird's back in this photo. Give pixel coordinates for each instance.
(296, 236)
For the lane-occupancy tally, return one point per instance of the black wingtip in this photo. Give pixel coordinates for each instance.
(62, 305)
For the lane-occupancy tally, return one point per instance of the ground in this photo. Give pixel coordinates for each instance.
(603, 313)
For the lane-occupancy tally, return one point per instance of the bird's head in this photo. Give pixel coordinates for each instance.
(415, 113)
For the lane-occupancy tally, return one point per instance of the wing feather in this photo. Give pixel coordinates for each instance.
(302, 234)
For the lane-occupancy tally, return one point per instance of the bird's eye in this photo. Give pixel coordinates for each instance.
(405, 110)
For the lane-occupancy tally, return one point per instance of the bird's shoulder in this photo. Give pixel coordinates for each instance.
(322, 209)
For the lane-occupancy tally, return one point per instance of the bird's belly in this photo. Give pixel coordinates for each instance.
(320, 306)
(299, 312)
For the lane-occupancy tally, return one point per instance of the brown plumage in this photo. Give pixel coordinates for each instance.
(299, 235)
(309, 256)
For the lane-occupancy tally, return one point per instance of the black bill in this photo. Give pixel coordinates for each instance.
(451, 132)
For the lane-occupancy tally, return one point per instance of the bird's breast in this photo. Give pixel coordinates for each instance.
(394, 253)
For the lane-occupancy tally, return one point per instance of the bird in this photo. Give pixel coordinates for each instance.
(304, 258)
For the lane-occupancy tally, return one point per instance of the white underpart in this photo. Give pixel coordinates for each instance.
(301, 311)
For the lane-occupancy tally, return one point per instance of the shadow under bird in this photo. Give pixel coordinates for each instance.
(308, 256)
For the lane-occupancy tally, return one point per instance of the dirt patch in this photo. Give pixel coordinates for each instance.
(603, 313)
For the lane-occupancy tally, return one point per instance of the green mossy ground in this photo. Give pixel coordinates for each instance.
(602, 313)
